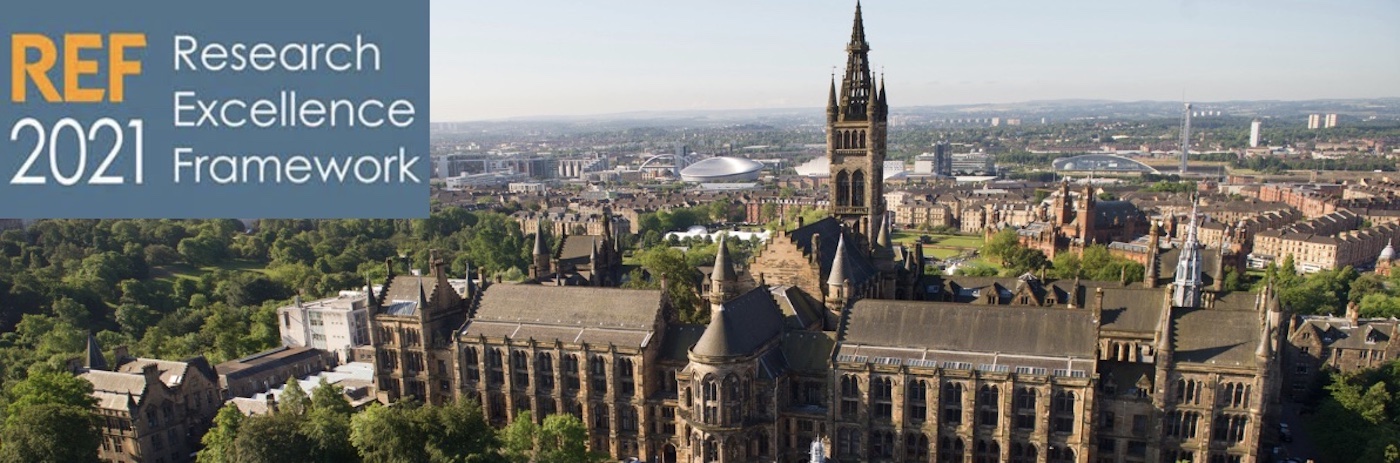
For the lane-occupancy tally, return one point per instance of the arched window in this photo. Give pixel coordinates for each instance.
(988, 405)
(1023, 403)
(861, 144)
(988, 451)
(520, 363)
(950, 450)
(917, 397)
(709, 400)
(1062, 411)
(732, 400)
(598, 369)
(544, 365)
(1059, 454)
(626, 382)
(843, 189)
(471, 372)
(916, 447)
(858, 188)
(1022, 453)
(952, 403)
(850, 396)
(882, 398)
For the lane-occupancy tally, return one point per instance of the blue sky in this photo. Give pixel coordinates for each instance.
(500, 59)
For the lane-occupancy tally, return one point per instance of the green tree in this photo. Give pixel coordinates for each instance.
(219, 440)
(50, 432)
(519, 439)
(388, 435)
(272, 438)
(51, 388)
(293, 399)
(564, 439)
(330, 397)
(1001, 245)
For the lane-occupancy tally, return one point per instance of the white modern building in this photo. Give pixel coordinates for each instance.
(334, 324)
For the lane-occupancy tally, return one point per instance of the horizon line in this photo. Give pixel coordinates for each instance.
(892, 108)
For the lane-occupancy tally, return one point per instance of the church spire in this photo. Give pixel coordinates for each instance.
(1187, 292)
(856, 87)
(858, 28)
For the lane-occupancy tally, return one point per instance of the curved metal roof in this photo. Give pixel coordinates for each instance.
(721, 167)
(1101, 162)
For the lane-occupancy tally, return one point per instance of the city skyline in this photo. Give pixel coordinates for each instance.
(556, 58)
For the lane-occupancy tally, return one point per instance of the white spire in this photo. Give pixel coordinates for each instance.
(1187, 291)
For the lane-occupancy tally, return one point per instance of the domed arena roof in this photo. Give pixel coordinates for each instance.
(1101, 162)
(722, 169)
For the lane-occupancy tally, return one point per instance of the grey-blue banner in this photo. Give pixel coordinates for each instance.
(179, 109)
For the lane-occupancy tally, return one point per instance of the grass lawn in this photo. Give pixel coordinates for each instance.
(190, 272)
(940, 253)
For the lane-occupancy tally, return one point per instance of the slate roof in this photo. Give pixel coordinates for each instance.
(1215, 337)
(405, 289)
(112, 389)
(1345, 335)
(858, 268)
(743, 325)
(270, 359)
(679, 339)
(809, 351)
(1131, 309)
(1109, 212)
(972, 328)
(171, 373)
(581, 314)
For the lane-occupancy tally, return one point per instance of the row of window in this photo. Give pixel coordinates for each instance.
(1229, 394)
(915, 447)
(987, 403)
(543, 371)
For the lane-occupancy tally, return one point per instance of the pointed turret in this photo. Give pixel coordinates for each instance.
(369, 291)
(884, 238)
(831, 107)
(540, 267)
(540, 248)
(715, 342)
(93, 359)
(422, 296)
(837, 277)
(724, 269)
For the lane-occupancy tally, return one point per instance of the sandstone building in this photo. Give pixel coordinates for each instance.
(834, 334)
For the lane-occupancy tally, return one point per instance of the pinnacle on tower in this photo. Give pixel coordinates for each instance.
(724, 269)
(838, 264)
(539, 240)
(94, 359)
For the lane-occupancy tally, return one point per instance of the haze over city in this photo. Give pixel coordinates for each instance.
(493, 60)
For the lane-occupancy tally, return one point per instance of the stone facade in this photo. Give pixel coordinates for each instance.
(150, 411)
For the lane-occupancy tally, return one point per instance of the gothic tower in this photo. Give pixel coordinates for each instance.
(855, 140)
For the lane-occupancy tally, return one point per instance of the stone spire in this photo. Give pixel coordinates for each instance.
(856, 86)
(1187, 289)
(369, 290)
(540, 267)
(724, 268)
(93, 359)
(831, 108)
(838, 265)
(540, 249)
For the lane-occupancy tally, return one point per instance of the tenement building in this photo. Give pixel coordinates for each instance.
(835, 335)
